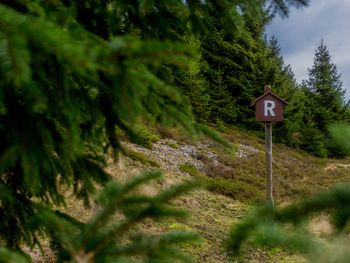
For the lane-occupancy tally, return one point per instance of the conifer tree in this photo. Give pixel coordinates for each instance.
(288, 131)
(326, 88)
(289, 227)
(325, 97)
(73, 74)
(282, 7)
(235, 69)
(193, 84)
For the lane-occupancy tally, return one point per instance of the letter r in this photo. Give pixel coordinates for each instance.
(269, 105)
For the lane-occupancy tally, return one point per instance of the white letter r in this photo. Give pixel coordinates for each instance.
(269, 105)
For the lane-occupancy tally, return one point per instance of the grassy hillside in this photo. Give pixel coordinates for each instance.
(233, 180)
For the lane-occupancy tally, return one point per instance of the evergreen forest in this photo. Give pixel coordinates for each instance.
(79, 77)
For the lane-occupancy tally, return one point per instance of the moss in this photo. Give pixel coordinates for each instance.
(189, 168)
(140, 157)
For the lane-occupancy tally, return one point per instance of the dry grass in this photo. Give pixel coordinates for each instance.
(296, 174)
(320, 226)
(213, 212)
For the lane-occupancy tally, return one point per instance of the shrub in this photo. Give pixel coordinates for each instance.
(189, 168)
(235, 189)
(145, 137)
(140, 157)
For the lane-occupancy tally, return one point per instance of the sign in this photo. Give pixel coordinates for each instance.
(269, 107)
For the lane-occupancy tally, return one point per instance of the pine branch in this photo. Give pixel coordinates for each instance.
(269, 225)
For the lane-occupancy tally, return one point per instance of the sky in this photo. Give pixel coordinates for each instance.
(301, 33)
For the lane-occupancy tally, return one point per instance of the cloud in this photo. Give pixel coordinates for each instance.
(300, 62)
(300, 34)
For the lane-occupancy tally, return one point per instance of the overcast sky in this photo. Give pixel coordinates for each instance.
(302, 31)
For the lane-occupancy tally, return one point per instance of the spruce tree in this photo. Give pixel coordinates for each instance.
(73, 75)
(282, 7)
(193, 84)
(236, 69)
(325, 97)
(289, 227)
(288, 131)
(326, 88)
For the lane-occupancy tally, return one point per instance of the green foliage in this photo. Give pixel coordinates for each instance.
(69, 84)
(107, 238)
(144, 137)
(312, 140)
(281, 6)
(287, 226)
(290, 131)
(236, 67)
(8, 256)
(285, 85)
(112, 235)
(225, 68)
(340, 134)
(194, 85)
(75, 74)
(325, 98)
(59, 119)
(326, 88)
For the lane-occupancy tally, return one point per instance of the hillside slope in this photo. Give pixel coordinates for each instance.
(233, 181)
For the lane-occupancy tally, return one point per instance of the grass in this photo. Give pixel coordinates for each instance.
(231, 184)
(140, 157)
(189, 168)
(174, 133)
(295, 173)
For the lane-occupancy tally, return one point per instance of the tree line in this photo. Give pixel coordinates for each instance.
(231, 73)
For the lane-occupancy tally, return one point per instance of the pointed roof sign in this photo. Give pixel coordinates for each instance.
(269, 107)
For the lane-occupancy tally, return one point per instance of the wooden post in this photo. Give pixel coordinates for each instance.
(269, 109)
(268, 144)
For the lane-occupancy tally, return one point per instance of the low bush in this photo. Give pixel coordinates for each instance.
(235, 189)
(144, 137)
(140, 157)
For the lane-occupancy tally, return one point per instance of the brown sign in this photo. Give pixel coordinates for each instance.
(269, 107)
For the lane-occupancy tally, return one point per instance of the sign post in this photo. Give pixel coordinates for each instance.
(268, 145)
(269, 109)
